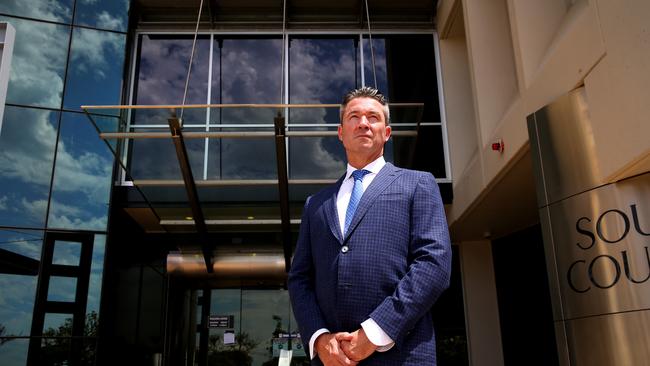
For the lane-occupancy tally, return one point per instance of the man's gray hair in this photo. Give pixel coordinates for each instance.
(366, 92)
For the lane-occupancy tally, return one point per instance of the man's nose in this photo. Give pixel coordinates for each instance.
(364, 123)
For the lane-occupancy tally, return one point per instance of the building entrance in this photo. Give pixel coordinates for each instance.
(233, 326)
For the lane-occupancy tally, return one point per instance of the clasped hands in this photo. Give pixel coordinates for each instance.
(344, 348)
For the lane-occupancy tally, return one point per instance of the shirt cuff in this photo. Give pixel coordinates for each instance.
(377, 336)
(312, 340)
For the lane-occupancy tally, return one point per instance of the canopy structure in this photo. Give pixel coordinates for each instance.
(161, 155)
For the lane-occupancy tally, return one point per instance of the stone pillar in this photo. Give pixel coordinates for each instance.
(596, 238)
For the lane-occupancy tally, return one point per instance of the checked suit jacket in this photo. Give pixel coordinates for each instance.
(391, 266)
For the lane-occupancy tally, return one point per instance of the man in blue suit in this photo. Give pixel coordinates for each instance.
(373, 252)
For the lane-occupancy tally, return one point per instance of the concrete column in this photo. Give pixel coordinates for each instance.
(481, 307)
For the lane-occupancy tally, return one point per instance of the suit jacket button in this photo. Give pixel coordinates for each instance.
(344, 249)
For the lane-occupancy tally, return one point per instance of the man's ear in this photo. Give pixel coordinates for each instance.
(388, 132)
(340, 133)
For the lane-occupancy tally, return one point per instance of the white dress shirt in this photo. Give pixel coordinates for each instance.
(374, 333)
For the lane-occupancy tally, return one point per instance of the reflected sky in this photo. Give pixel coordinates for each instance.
(103, 14)
(95, 69)
(17, 295)
(163, 69)
(26, 152)
(53, 10)
(38, 63)
(82, 177)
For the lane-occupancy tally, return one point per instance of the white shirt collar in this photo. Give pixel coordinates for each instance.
(373, 167)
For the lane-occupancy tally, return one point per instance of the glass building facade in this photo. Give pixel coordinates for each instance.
(87, 224)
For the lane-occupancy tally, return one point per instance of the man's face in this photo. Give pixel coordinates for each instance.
(363, 129)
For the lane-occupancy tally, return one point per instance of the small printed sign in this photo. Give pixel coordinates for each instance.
(221, 321)
(229, 336)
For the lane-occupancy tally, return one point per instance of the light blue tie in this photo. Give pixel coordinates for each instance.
(355, 197)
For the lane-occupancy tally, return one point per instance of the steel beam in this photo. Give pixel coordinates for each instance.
(283, 187)
(190, 188)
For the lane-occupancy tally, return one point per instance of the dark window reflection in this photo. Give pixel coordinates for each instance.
(157, 159)
(95, 69)
(82, 175)
(53, 10)
(161, 74)
(62, 289)
(67, 253)
(321, 70)
(95, 284)
(14, 352)
(316, 157)
(103, 14)
(26, 154)
(38, 63)
(250, 71)
(406, 71)
(20, 253)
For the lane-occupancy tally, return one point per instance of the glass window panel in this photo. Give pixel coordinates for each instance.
(82, 176)
(321, 70)
(250, 71)
(38, 64)
(225, 302)
(55, 351)
(27, 146)
(20, 253)
(67, 253)
(95, 70)
(104, 14)
(265, 319)
(406, 71)
(316, 157)
(157, 159)
(162, 70)
(52, 10)
(14, 352)
(57, 325)
(62, 289)
(95, 283)
(429, 152)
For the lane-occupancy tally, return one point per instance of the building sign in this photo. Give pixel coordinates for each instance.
(221, 321)
(596, 239)
(602, 240)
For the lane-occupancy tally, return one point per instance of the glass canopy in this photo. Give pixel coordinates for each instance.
(252, 170)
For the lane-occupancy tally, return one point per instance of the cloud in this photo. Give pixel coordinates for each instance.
(107, 21)
(3, 202)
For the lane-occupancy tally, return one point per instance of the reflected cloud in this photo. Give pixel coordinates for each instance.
(38, 63)
(3, 202)
(93, 50)
(163, 70)
(60, 11)
(322, 70)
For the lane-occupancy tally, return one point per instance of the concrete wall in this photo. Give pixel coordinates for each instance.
(505, 59)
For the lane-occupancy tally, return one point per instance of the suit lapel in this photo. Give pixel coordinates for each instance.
(384, 178)
(331, 213)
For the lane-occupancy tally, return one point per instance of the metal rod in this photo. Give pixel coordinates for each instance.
(372, 51)
(189, 68)
(233, 134)
(229, 182)
(238, 105)
(229, 222)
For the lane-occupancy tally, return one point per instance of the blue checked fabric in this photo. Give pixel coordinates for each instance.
(355, 197)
